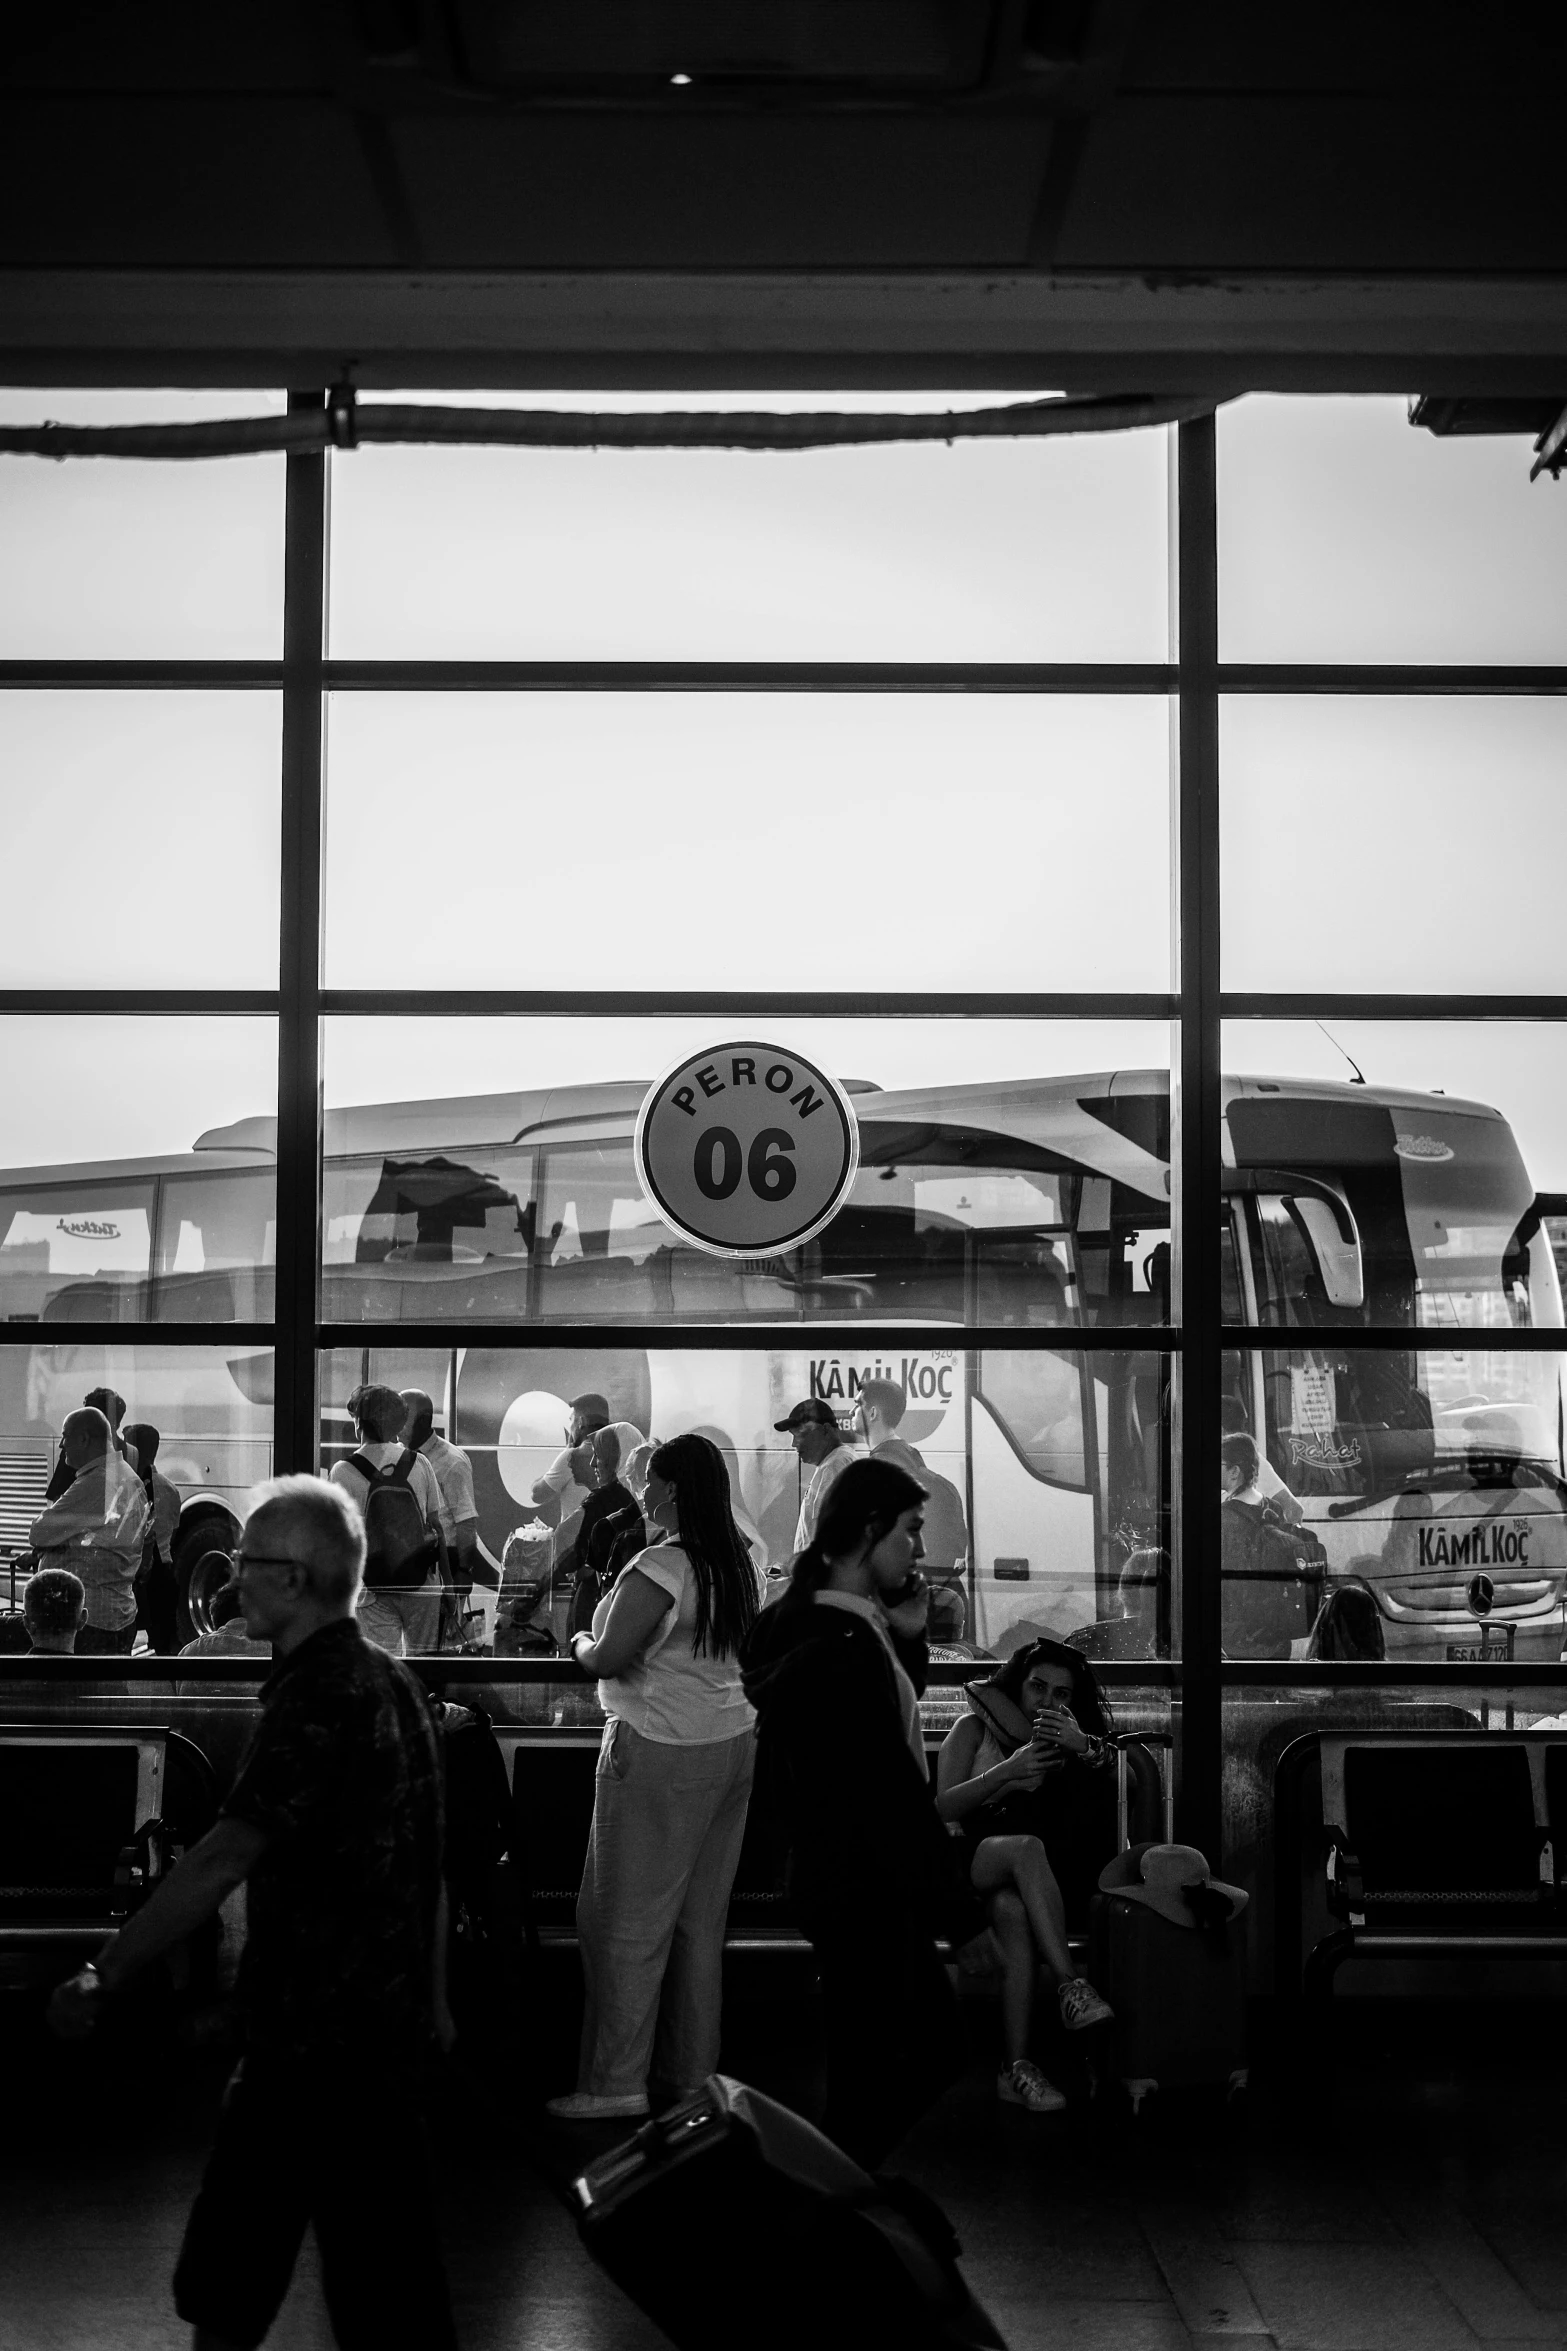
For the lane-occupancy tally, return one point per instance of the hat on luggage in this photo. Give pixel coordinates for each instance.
(1176, 1881)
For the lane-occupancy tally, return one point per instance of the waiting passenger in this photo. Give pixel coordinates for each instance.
(1270, 1486)
(612, 1530)
(670, 1798)
(15, 1639)
(549, 1492)
(1028, 1775)
(230, 1635)
(55, 1608)
(1271, 1571)
(834, 1670)
(96, 1529)
(396, 1618)
(334, 1825)
(1348, 1626)
(157, 1591)
(454, 1476)
(882, 1405)
(112, 1406)
(823, 1449)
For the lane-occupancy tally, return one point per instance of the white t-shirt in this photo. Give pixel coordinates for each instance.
(667, 1694)
(421, 1481)
(823, 1479)
(454, 1477)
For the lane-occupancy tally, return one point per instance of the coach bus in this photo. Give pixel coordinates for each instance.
(1040, 1206)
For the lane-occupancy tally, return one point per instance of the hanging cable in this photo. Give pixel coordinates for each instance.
(347, 423)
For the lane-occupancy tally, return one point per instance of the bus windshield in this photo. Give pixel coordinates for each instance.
(1440, 1214)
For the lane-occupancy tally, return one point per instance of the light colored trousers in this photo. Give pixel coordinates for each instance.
(662, 1854)
(403, 1623)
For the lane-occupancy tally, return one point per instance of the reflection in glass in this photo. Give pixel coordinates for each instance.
(100, 1219)
(1048, 1473)
(1042, 1204)
(1407, 843)
(130, 559)
(140, 830)
(1431, 1478)
(211, 1406)
(984, 551)
(801, 841)
(1346, 535)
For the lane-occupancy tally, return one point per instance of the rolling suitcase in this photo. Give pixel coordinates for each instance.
(730, 2221)
(1177, 1983)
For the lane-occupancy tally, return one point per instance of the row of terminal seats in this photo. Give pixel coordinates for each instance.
(1412, 1846)
(1388, 1845)
(91, 1818)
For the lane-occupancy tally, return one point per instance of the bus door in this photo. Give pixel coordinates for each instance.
(1035, 1510)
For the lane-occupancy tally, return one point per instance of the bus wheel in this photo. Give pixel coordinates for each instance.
(206, 1530)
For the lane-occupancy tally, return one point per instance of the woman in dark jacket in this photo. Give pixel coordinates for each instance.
(834, 1671)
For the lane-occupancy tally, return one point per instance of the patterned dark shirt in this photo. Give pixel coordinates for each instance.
(344, 1775)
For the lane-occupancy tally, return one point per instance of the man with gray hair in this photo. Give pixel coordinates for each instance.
(96, 1529)
(334, 1822)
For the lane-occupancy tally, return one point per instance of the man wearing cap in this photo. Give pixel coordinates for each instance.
(823, 1448)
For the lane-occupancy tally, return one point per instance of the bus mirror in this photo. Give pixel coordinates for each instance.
(1336, 1250)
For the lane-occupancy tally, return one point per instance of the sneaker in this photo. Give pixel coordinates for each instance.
(1081, 2006)
(1023, 2084)
(583, 2106)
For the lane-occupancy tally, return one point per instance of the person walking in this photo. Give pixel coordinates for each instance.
(612, 1530)
(834, 1670)
(822, 1448)
(670, 1796)
(334, 1824)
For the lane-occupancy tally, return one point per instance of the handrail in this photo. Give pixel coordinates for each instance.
(1124, 1674)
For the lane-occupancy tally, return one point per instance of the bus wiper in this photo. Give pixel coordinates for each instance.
(1457, 1473)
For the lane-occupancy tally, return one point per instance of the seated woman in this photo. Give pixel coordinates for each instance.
(1028, 1776)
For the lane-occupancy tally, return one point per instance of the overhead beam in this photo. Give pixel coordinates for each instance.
(497, 329)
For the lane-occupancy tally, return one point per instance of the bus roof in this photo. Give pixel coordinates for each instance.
(1049, 1111)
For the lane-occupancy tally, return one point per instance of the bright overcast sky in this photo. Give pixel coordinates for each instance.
(810, 841)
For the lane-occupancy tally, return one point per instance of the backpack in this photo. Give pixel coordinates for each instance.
(400, 1548)
(1273, 1576)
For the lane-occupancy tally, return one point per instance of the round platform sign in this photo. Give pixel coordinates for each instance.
(746, 1148)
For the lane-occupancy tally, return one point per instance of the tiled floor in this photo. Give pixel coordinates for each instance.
(1414, 2198)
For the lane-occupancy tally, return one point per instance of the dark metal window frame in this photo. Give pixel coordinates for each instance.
(1194, 680)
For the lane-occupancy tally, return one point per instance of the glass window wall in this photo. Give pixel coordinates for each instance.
(1390, 1194)
(1344, 536)
(1038, 1196)
(1018, 551)
(811, 842)
(1046, 1472)
(141, 835)
(103, 560)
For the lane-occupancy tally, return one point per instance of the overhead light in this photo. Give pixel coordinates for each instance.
(680, 81)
